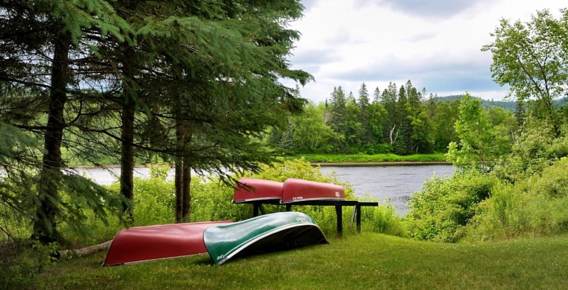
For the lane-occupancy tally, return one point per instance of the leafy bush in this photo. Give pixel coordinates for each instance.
(443, 208)
(535, 206)
(379, 149)
(480, 143)
(385, 220)
(21, 262)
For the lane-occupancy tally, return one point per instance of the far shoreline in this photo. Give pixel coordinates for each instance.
(315, 164)
(330, 160)
(379, 164)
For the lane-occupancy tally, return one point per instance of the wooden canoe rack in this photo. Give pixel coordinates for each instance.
(338, 204)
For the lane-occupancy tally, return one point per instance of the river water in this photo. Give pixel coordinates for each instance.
(388, 184)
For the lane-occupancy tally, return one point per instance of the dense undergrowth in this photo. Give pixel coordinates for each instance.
(525, 194)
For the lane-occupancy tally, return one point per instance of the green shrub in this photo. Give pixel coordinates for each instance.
(443, 208)
(21, 262)
(535, 206)
(385, 220)
(213, 200)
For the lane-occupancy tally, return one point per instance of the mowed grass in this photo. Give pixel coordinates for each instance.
(387, 157)
(365, 261)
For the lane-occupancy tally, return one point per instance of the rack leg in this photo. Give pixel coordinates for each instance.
(339, 213)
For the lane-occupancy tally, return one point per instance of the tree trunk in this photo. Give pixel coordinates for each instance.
(186, 177)
(186, 206)
(179, 171)
(45, 225)
(183, 172)
(127, 133)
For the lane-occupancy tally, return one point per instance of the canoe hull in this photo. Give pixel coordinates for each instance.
(146, 243)
(250, 190)
(267, 233)
(298, 190)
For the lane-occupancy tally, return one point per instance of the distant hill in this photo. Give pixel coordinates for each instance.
(507, 105)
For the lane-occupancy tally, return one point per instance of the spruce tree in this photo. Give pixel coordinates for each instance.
(41, 38)
(389, 102)
(364, 115)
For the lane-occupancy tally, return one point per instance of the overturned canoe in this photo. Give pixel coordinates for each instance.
(250, 189)
(266, 233)
(138, 244)
(297, 190)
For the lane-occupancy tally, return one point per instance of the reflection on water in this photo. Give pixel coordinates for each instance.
(392, 184)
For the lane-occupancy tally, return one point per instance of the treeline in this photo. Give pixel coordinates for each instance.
(400, 120)
(192, 82)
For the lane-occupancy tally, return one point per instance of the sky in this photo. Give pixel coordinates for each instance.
(434, 43)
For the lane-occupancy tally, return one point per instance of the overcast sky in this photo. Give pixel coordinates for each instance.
(435, 43)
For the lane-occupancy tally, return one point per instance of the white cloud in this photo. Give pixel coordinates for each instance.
(437, 46)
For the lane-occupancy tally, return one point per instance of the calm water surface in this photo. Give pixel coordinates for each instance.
(392, 184)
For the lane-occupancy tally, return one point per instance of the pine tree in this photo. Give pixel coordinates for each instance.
(364, 115)
(218, 122)
(389, 102)
(39, 39)
(337, 109)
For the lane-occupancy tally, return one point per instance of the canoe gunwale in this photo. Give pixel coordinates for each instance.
(239, 248)
(158, 259)
(313, 199)
(268, 198)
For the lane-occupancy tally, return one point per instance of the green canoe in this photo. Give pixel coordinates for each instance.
(266, 233)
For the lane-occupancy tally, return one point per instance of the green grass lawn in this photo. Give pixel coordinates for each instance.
(387, 157)
(354, 262)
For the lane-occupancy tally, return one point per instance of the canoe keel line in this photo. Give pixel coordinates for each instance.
(222, 240)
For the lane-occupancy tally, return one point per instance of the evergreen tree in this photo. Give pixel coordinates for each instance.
(421, 140)
(403, 120)
(353, 130)
(39, 42)
(389, 102)
(364, 116)
(337, 119)
(377, 121)
(377, 95)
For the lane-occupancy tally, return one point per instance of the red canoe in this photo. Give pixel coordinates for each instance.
(138, 244)
(297, 190)
(250, 189)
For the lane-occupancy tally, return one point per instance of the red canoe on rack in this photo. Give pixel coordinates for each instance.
(250, 189)
(297, 190)
(138, 244)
